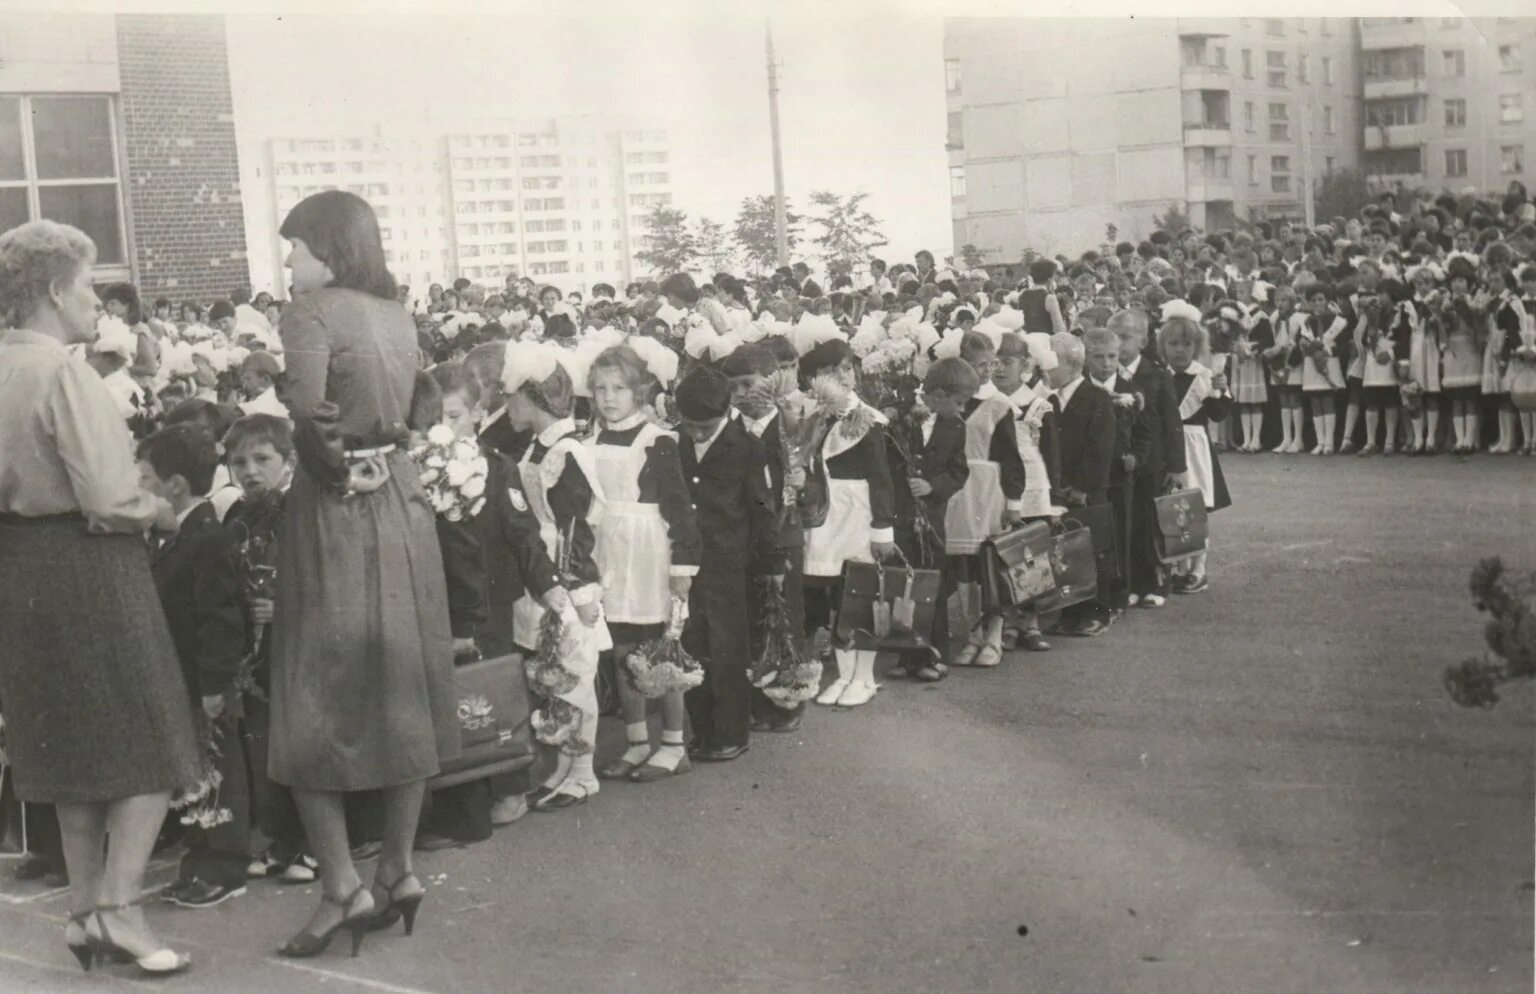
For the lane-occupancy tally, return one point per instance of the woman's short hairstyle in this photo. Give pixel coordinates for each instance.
(951, 376)
(457, 377)
(628, 364)
(340, 230)
(254, 429)
(33, 257)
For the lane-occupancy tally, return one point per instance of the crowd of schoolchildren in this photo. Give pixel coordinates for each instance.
(684, 472)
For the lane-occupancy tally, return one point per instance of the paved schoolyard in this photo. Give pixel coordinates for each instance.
(1262, 788)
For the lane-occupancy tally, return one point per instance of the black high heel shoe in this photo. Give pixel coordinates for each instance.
(160, 963)
(308, 944)
(397, 908)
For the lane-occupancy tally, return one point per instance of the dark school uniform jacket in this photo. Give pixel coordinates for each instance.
(1161, 423)
(939, 460)
(1085, 431)
(200, 590)
(730, 495)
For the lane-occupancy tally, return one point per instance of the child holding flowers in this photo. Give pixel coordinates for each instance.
(647, 542)
(560, 485)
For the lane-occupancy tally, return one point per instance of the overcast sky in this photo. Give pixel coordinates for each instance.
(862, 93)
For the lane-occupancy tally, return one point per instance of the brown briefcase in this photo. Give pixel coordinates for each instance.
(1075, 570)
(493, 713)
(1017, 566)
(886, 606)
(1182, 527)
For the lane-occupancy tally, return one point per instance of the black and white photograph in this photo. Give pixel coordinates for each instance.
(795, 497)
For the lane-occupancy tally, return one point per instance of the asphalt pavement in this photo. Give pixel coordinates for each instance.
(1262, 788)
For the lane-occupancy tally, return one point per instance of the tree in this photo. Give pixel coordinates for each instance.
(972, 257)
(849, 232)
(715, 249)
(755, 233)
(1173, 221)
(670, 247)
(1341, 193)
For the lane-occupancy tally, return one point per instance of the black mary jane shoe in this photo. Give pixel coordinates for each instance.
(790, 724)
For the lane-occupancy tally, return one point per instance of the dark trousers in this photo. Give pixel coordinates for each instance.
(461, 812)
(1113, 591)
(938, 633)
(794, 605)
(219, 855)
(1147, 574)
(275, 814)
(718, 635)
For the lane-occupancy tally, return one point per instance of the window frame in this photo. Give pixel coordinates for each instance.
(1516, 104)
(1455, 151)
(33, 185)
(1519, 159)
(1458, 104)
(957, 183)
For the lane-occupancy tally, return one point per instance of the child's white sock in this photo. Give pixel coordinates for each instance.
(671, 751)
(639, 736)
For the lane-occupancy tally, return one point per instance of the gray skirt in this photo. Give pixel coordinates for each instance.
(95, 704)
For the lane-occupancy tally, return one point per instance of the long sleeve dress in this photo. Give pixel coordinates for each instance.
(362, 661)
(95, 702)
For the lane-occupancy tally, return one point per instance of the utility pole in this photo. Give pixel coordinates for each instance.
(780, 221)
(1308, 209)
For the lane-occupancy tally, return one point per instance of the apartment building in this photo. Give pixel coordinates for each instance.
(1450, 102)
(561, 201)
(1058, 128)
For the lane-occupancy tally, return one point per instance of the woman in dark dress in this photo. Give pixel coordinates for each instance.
(100, 723)
(362, 664)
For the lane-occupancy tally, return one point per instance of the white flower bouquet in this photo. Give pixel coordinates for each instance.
(453, 473)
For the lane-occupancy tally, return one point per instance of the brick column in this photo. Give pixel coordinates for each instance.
(183, 178)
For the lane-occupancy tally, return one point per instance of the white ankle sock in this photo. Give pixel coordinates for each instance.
(671, 752)
(639, 735)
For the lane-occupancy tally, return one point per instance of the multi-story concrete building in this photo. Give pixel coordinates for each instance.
(1450, 102)
(1058, 128)
(121, 126)
(561, 201)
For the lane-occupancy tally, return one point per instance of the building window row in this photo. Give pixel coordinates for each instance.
(58, 160)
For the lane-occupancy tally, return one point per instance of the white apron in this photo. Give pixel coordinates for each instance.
(1313, 379)
(634, 550)
(528, 612)
(1197, 457)
(845, 536)
(975, 514)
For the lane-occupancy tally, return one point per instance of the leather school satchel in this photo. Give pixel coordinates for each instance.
(494, 728)
(887, 606)
(1018, 566)
(1182, 527)
(1075, 569)
(1100, 520)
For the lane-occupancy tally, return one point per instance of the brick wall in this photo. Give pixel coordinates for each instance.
(183, 179)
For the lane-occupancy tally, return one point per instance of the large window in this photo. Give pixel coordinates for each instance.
(1274, 63)
(1512, 158)
(1455, 113)
(58, 160)
(1511, 108)
(1455, 62)
(1455, 162)
(1509, 58)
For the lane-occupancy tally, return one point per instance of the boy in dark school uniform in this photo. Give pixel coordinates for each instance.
(727, 473)
(937, 471)
(199, 589)
(749, 369)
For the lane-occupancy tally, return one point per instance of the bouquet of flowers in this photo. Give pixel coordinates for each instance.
(558, 723)
(199, 804)
(890, 383)
(453, 473)
(254, 556)
(782, 672)
(662, 666)
(547, 673)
